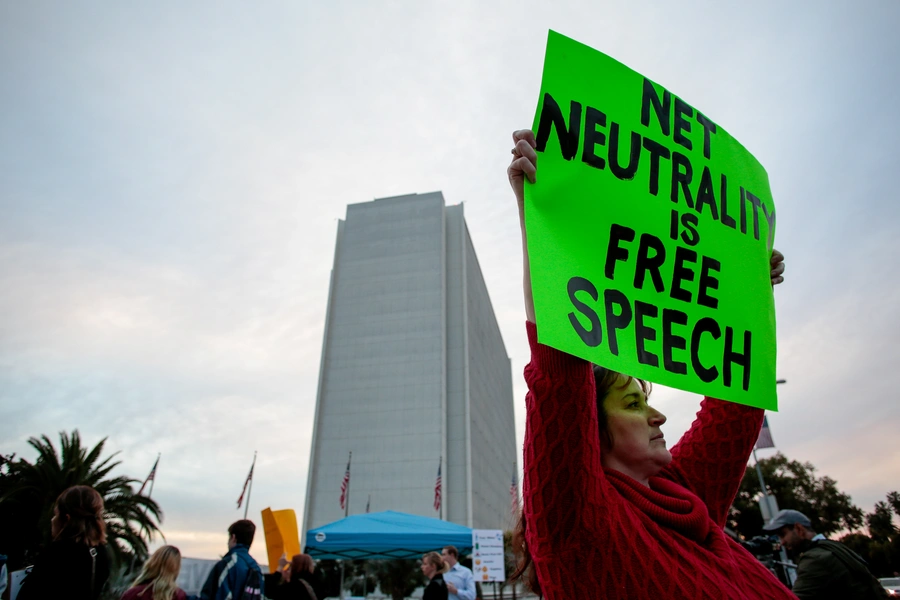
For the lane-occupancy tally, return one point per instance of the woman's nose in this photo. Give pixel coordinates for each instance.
(656, 417)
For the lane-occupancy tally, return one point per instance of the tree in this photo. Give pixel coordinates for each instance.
(328, 576)
(28, 492)
(881, 548)
(398, 577)
(881, 523)
(893, 499)
(357, 575)
(363, 581)
(796, 486)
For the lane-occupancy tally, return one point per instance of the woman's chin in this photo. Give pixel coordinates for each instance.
(664, 457)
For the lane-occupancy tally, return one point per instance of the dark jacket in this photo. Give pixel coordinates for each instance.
(66, 569)
(436, 589)
(229, 576)
(298, 588)
(830, 570)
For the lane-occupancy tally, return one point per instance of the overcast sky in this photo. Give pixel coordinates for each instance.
(171, 175)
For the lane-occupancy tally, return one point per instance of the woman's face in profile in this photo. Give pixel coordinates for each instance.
(638, 446)
(427, 569)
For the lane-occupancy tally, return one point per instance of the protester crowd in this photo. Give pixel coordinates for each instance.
(76, 565)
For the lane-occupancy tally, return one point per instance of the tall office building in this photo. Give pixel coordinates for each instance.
(414, 372)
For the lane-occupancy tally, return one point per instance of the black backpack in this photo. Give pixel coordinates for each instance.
(856, 565)
(253, 585)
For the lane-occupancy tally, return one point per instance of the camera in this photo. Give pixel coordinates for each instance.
(765, 549)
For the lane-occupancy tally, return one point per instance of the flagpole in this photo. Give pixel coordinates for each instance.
(346, 514)
(762, 486)
(149, 494)
(347, 503)
(250, 485)
(152, 481)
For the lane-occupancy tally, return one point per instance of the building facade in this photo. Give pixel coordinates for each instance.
(414, 373)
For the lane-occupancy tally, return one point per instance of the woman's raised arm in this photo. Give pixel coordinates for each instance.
(523, 166)
(710, 458)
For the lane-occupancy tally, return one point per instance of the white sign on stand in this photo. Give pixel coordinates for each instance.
(487, 555)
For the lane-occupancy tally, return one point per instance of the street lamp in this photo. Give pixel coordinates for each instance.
(790, 572)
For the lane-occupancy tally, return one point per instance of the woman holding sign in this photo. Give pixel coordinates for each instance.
(610, 511)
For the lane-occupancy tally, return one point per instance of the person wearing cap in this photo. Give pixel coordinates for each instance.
(825, 568)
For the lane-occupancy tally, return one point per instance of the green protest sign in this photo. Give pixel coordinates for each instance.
(650, 230)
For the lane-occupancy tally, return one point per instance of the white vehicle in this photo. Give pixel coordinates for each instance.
(892, 585)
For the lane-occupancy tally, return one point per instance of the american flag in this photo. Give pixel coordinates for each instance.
(765, 436)
(150, 477)
(514, 494)
(437, 489)
(345, 484)
(247, 481)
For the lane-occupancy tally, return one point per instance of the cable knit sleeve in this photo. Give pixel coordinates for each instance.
(563, 481)
(710, 459)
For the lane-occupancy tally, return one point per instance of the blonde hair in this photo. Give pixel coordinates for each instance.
(437, 561)
(160, 572)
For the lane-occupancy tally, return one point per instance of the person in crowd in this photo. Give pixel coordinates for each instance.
(459, 579)
(609, 511)
(237, 575)
(293, 580)
(156, 580)
(75, 565)
(434, 567)
(825, 569)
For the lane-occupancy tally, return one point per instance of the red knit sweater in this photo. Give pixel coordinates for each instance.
(596, 533)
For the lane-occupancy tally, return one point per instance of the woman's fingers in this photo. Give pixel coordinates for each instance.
(523, 148)
(777, 267)
(526, 135)
(522, 166)
(524, 162)
(777, 257)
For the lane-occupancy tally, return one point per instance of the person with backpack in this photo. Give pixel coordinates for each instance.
(237, 576)
(825, 569)
(75, 565)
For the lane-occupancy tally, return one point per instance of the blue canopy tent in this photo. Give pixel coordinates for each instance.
(385, 534)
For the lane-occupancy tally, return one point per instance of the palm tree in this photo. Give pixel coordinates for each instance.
(30, 490)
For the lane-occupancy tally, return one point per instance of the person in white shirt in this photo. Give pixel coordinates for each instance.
(459, 579)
